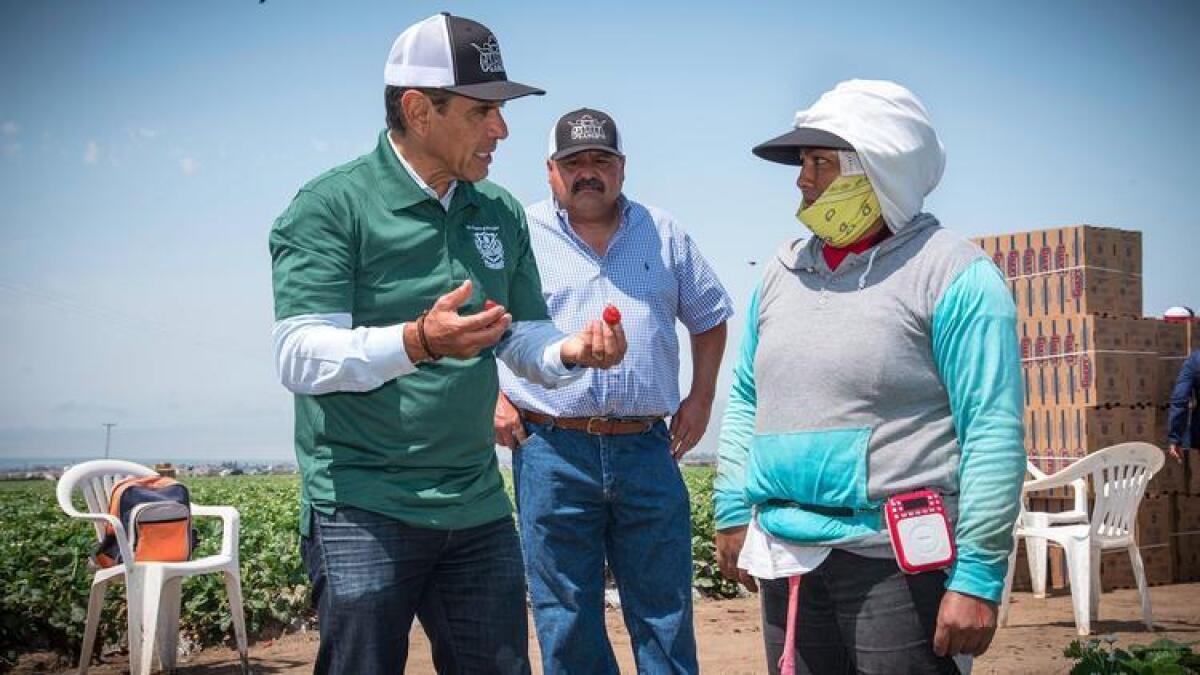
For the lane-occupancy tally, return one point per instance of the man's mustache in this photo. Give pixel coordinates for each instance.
(587, 183)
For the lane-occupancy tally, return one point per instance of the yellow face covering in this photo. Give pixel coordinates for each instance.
(845, 211)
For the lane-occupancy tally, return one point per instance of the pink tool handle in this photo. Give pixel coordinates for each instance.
(787, 662)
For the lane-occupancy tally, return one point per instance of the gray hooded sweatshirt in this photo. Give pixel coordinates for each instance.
(897, 371)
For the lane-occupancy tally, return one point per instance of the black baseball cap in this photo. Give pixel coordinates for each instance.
(455, 54)
(584, 129)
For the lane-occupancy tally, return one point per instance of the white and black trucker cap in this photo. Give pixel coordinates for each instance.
(584, 129)
(455, 54)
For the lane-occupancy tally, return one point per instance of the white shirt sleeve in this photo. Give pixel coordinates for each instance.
(321, 354)
(532, 350)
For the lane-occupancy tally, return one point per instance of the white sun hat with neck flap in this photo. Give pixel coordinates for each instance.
(889, 128)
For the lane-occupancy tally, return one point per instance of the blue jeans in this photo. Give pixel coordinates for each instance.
(371, 574)
(582, 499)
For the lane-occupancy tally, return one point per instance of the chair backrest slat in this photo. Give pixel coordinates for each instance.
(109, 481)
(1119, 479)
(96, 498)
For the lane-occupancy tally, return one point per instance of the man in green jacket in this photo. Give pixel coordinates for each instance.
(399, 277)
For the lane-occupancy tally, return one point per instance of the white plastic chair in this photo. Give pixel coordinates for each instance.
(1035, 547)
(152, 588)
(1119, 474)
(1036, 552)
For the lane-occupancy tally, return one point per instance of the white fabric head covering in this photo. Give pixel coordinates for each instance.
(890, 130)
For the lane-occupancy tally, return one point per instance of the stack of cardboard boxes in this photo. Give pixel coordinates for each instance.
(1186, 538)
(1097, 373)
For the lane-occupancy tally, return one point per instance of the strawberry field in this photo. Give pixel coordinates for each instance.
(44, 577)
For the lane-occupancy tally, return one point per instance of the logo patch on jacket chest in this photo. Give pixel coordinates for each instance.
(489, 245)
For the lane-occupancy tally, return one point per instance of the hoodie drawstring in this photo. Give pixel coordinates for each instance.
(862, 281)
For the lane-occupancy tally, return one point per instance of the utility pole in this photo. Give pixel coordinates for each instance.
(107, 435)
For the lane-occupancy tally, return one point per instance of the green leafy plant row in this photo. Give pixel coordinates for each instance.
(1161, 657)
(44, 578)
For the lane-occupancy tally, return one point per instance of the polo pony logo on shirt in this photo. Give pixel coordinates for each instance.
(489, 56)
(491, 249)
(588, 128)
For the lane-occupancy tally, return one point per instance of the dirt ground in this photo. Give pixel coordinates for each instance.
(729, 638)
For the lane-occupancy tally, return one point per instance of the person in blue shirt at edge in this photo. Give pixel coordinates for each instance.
(594, 464)
(880, 357)
(1183, 419)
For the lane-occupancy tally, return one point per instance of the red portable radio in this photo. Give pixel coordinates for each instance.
(920, 530)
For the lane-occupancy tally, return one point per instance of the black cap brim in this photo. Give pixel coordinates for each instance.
(499, 90)
(785, 149)
(567, 152)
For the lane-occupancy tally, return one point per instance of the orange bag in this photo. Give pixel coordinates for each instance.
(157, 515)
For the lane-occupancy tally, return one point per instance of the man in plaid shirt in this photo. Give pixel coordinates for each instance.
(594, 461)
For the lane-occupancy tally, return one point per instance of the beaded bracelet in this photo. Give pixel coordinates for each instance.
(433, 356)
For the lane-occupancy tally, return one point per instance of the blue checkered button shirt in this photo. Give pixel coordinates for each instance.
(654, 273)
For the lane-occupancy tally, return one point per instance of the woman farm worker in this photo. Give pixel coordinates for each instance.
(880, 357)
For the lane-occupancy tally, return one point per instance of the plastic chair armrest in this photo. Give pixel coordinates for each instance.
(1037, 473)
(230, 523)
(118, 528)
(1067, 476)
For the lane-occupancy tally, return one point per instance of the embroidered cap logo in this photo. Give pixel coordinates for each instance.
(588, 128)
(489, 56)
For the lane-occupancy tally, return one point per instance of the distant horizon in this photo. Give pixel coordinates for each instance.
(18, 462)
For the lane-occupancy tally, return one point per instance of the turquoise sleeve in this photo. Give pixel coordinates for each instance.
(975, 347)
(737, 429)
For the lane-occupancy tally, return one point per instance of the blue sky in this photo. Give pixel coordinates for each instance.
(145, 149)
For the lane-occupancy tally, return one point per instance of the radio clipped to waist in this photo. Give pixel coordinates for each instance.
(920, 531)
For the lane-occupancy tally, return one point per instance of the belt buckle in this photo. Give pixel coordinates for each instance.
(588, 428)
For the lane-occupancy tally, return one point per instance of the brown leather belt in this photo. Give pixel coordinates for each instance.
(596, 426)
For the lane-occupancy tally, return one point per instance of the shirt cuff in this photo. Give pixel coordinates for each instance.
(384, 350)
(553, 366)
(710, 322)
(982, 580)
(730, 512)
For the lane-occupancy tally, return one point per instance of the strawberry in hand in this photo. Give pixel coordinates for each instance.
(612, 315)
(601, 344)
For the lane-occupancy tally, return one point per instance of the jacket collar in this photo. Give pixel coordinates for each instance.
(397, 188)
